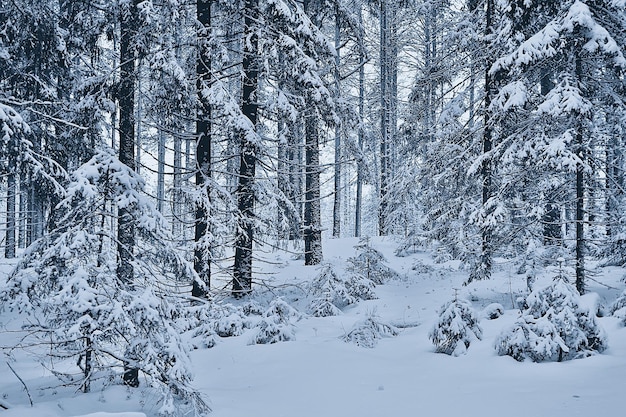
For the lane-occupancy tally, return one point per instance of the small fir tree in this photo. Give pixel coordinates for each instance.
(553, 327)
(370, 263)
(276, 324)
(368, 332)
(456, 328)
(618, 309)
(67, 283)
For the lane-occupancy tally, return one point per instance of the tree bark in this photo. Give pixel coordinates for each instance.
(359, 167)
(337, 193)
(384, 121)
(485, 260)
(9, 242)
(312, 205)
(388, 104)
(580, 189)
(126, 99)
(202, 252)
(242, 271)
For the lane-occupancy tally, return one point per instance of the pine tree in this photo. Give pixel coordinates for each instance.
(202, 252)
(242, 279)
(576, 39)
(69, 281)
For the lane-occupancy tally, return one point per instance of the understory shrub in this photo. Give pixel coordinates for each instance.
(333, 292)
(456, 328)
(276, 324)
(368, 332)
(553, 327)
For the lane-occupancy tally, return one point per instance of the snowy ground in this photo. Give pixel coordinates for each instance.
(318, 374)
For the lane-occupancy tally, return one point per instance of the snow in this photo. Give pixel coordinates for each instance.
(319, 374)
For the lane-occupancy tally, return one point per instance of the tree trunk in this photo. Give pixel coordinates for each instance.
(9, 241)
(126, 98)
(359, 166)
(384, 122)
(161, 171)
(552, 216)
(337, 193)
(312, 204)
(177, 195)
(580, 189)
(485, 261)
(242, 271)
(202, 252)
(388, 104)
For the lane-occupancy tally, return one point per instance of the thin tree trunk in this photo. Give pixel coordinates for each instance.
(161, 171)
(9, 241)
(177, 203)
(21, 214)
(202, 252)
(337, 193)
(384, 122)
(138, 118)
(580, 191)
(359, 167)
(242, 271)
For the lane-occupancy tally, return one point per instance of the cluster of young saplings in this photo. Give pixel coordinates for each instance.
(553, 325)
(329, 292)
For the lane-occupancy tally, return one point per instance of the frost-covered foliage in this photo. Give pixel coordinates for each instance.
(67, 284)
(18, 154)
(276, 324)
(218, 319)
(412, 243)
(333, 292)
(493, 311)
(456, 328)
(370, 263)
(618, 308)
(368, 332)
(553, 327)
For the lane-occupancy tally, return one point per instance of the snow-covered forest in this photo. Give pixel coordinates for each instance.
(312, 207)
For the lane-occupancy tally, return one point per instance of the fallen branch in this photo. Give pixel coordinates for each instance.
(22, 381)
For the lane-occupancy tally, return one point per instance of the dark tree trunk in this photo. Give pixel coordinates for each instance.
(552, 216)
(580, 189)
(202, 253)
(9, 248)
(337, 194)
(485, 261)
(312, 206)
(242, 271)
(126, 99)
(161, 171)
(384, 119)
(359, 167)
(388, 103)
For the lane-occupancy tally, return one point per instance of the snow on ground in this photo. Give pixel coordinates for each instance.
(320, 375)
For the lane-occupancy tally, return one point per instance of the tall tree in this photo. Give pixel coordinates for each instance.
(126, 99)
(337, 173)
(202, 252)
(581, 41)
(242, 271)
(312, 204)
